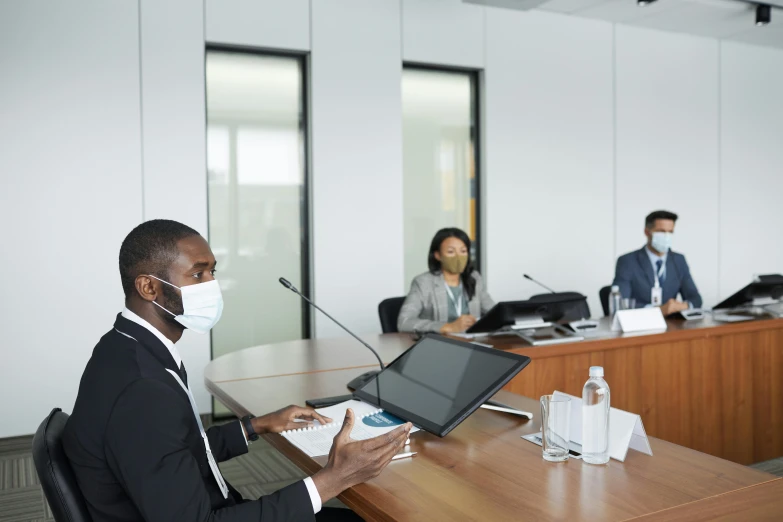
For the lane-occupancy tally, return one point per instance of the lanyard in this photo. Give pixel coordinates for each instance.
(457, 302)
(212, 463)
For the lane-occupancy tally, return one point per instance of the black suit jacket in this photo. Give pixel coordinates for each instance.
(136, 449)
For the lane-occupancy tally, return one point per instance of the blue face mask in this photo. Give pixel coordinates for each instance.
(662, 241)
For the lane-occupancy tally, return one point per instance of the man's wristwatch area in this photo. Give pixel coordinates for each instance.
(252, 436)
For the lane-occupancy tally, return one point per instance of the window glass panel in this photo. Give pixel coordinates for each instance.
(439, 177)
(256, 175)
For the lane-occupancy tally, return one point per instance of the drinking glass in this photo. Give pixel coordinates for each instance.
(555, 427)
(628, 303)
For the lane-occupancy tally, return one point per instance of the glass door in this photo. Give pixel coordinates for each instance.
(257, 196)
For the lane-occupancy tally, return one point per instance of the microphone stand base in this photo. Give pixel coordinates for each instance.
(328, 401)
(357, 382)
(353, 385)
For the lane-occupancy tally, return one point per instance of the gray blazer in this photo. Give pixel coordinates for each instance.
(426, 309)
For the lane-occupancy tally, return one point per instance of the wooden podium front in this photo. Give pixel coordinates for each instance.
(713, 387)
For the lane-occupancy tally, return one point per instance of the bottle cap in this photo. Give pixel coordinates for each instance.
(615, 288)
(596, 371)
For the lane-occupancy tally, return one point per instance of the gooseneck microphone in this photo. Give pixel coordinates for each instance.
(363, 378)
(539, 284)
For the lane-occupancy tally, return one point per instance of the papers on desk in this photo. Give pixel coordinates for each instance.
(369, 422)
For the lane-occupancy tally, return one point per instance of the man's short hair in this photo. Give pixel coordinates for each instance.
(649, 221)
(150, 248)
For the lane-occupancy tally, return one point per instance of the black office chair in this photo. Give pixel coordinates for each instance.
(57, 479)
(389, 311)
(603, 295)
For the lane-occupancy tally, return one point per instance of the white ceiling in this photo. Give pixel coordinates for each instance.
(725, 19)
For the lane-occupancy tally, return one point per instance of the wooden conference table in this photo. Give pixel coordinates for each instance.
(483, 470)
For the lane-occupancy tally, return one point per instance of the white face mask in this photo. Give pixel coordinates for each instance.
(202, 305)
(662, 241)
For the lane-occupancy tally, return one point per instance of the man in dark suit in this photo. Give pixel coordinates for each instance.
(656, 271)
(135, 440)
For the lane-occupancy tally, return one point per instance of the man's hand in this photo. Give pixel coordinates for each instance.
(352, 462)
(283, 420)
(460, 325)
(672, 306)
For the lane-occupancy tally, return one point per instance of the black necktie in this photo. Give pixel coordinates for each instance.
(183, 374)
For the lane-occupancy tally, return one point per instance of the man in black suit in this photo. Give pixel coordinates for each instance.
(135, 440)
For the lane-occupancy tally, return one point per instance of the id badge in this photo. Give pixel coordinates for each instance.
(656, 297)
(216, 472)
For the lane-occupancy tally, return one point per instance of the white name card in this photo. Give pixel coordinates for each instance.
(625, 430)
(639, 320)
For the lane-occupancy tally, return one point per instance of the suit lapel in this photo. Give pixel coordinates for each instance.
(156, 349)
(441, 299)
(646, 266)
(147, 340)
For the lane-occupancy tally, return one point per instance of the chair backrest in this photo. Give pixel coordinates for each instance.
(389, 311)
(57, 478)
(603, 295)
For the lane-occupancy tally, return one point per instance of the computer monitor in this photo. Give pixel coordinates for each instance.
(547, 307)
(439, 382)
(763, 289)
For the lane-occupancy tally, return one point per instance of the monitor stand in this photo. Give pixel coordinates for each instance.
(559, 335)
(498, 406)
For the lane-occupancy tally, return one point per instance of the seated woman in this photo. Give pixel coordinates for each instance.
(451, 296)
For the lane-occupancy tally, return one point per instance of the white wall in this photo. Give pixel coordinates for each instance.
(174, 137)
(443, 32)
(751, 168)
(578, 115)
(71, 187)
(265, 24)
(667, 144)
(356, 128)
(548, 147)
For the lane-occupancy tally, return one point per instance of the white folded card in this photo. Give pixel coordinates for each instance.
(638, 320)
(625, 430)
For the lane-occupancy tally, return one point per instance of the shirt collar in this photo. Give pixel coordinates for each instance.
(131, 316)
(654, 258)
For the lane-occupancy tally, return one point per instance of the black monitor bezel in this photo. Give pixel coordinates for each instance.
(500, 315)
(747, 293)
(441, 430)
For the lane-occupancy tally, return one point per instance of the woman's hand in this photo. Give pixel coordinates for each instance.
(460, 325)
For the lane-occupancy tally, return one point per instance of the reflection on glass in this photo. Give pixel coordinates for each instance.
(439, 174)
(255, 159)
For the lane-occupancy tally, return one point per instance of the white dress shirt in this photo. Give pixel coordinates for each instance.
(654, 258)
(315, 497)
(654, 262)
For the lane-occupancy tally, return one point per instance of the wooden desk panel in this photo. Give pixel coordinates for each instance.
(760, 502)
(714, 388)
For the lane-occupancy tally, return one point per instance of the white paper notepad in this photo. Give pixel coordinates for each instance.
(369, 422)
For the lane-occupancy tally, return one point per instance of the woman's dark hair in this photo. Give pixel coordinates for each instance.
(468, 281)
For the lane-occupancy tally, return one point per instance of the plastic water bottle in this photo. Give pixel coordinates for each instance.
(615, 298)
(595, 418)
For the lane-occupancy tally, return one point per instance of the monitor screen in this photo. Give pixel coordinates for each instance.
(439, 381)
